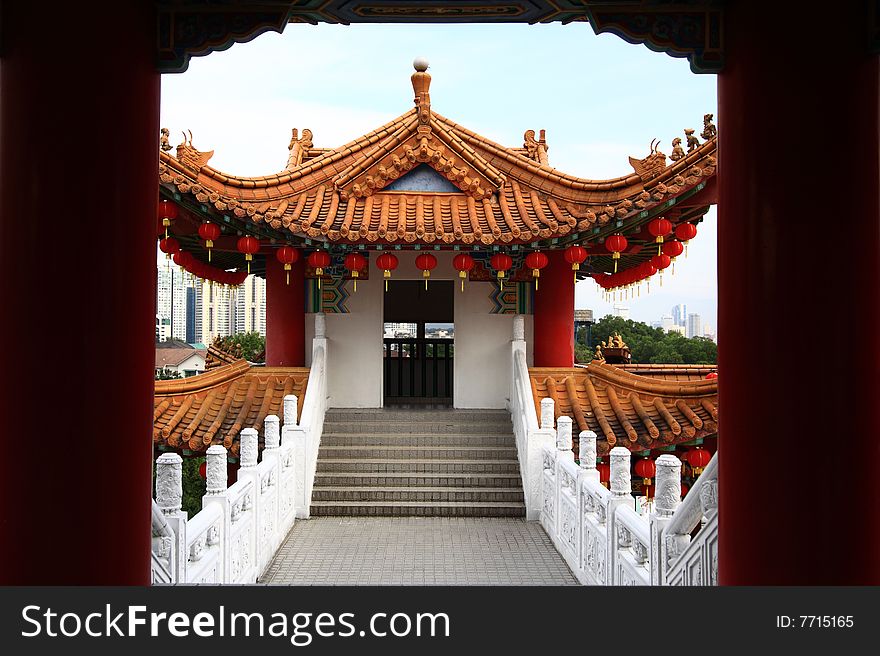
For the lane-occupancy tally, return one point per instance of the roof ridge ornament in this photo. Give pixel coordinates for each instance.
(298, 147)
(421, 83)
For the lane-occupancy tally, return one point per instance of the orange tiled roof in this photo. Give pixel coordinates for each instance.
(625, 409)
(509, 195)
(213, 408)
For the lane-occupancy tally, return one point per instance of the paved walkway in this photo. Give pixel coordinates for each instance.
(417, 551)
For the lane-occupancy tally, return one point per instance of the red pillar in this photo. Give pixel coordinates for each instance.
(79, 121)
(799, 319)
(285, 314)
(554, 314)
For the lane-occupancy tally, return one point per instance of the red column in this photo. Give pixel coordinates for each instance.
(799, 320)
(285, 314)
(79, 121)
(554, 314)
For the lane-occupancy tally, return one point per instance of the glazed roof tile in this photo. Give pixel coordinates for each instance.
(626, 409)
(505, 196)
(214, 407)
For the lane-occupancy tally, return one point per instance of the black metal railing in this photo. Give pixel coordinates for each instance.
(418, 368)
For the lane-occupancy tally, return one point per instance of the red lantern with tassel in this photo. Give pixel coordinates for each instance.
(536, 261)
(616, 244)
(426, 262)
(501, 262)
(169, 246)
(209, 232)
(463, 263)
(604, 470)
(248, 245)
(698, 459)
(388, 263)
(673, 249)
(647, 470)
(575, 256)
(659, 228)
(167, 214)
(183, 259)
(288, 256)
(354, 262)
(319, 260)
(685, 232)
(660, 262)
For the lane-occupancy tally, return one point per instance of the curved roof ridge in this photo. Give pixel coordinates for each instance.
(207, 380)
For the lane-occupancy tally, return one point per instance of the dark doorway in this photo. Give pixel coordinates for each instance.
(418, 342)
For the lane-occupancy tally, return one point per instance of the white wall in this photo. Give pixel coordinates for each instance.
(482, 341)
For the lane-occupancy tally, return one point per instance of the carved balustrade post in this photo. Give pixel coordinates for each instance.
(621, 494)
(548, 418)
(290, 410)
(519, 328)
(248, 451)
(249, 470)
(272, 455)
(215, 466)
(215, 492)
(294, 435)
(587, 455)
(666, 500)
(169, 496)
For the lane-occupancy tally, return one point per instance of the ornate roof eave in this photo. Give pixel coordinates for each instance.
(625, 409)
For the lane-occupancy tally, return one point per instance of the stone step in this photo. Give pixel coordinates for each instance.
(426, 495)
(417, 479)
(420, 465)
(402, 414)
(420, 427)
(372, 451)
(419, 509)
(416, 439)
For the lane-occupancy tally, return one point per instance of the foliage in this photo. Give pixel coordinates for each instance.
(647, 345)
(168, 374)
(253, 345)
(193, 486)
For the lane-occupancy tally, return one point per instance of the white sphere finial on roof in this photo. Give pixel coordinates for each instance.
(420, 64)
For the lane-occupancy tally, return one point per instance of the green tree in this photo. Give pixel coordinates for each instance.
(168, 374)
(253, 345)
(647, 345)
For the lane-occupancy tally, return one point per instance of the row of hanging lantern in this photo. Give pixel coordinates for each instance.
(667, 251)
(696, 458)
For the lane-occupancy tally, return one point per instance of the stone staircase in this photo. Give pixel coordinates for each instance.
(419, 462)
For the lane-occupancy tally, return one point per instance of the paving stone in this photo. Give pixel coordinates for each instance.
(417, 551)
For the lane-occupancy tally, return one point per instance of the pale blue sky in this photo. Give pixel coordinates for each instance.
(599, 98)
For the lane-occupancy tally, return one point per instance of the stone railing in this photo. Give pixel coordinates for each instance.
(604, 538)
(306, 435)
(235, 535)
(530, 437)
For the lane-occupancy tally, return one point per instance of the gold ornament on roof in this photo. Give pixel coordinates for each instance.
(709, 129)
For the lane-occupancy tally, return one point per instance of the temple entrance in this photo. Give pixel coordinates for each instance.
(418, 342)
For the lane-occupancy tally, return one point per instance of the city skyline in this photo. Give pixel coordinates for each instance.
(592, 128)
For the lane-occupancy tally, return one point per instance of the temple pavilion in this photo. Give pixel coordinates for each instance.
(419, 222)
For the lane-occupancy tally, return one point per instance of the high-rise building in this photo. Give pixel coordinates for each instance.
(190, 315)
(679, 314)
(217, 312)
(694, 327)
(171, 298)
(249, 307)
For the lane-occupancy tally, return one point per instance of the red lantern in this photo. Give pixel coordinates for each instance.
(673, 248)
(616, 244)
(288, 256)
(575, 256)
(248, 245)
(536, 261)
(685, 232)
(183, 259)
(169, 246)
(712, 375)
(167, 214)
(354, 262)
(698, 459)
(659, 228)
(319, 260)
(647, 470)
(209, 232)
(388, 263)
(426, 262)
(660, 262)
(604, 470)
(501, 262)
(203, 470)
(684, 490)
(463, 263)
